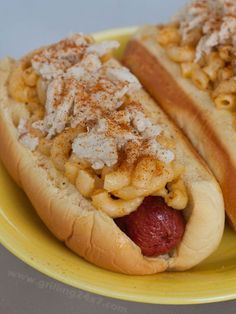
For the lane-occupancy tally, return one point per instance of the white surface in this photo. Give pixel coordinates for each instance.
(25, 25)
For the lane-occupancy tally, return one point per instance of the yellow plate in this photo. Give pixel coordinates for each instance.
(24, 235)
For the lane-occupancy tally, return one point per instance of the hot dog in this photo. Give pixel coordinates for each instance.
(188, 66)
(104, 167)
(155, 227)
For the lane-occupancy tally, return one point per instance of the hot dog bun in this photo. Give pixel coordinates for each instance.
(210, 130)
(89, 232)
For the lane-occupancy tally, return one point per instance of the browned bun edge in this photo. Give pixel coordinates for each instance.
(91, 233)
(210, 130)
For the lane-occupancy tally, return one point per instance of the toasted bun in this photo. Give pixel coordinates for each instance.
(211, 130)
(91, 233)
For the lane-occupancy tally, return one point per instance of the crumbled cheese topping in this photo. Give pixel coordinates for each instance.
(193, 15)
(57, 58)
(115, 132)
(59, 102)
(83, 90)
(29, 141)
(215, 18)
(155, 149)
(89, 65)
(97, 148)
(144, 125)
(25, 137)
(84, 114)
(230, 7)
(22, 129)
(103, 48)
(38, 125)
(122, 74)
(228, 29)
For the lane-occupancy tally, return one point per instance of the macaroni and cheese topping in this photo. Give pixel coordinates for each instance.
(84, 119)
(202, 39)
